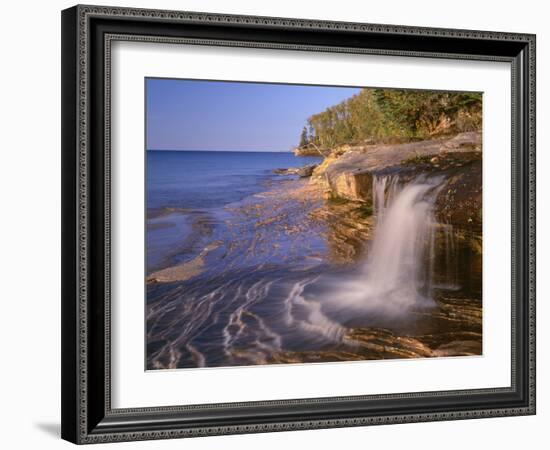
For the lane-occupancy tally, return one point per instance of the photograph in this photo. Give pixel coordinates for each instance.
(272, 222)
(297, 224)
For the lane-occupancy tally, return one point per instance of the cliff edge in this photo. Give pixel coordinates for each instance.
(348, 173)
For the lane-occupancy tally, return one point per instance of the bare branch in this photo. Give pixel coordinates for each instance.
(316, 148)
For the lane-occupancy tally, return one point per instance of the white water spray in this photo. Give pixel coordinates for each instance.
(399, 270)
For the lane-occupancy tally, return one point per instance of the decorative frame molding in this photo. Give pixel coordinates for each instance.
(88, 31)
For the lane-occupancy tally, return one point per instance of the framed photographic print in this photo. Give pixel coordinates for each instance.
(280, 224)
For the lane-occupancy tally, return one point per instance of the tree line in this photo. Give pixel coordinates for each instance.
(392, 115)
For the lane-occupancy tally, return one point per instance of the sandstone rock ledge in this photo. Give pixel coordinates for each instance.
(452, 329)
(348, 173)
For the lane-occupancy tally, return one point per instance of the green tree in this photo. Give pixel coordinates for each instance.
(304, 138)
(375, 114)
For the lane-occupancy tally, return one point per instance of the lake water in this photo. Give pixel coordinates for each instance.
(194, 179)
(184, 187)
(241, 269)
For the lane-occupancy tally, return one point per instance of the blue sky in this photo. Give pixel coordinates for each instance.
(214, 115)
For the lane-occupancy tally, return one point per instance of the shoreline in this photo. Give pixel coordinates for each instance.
(289, 228)
(345, 226)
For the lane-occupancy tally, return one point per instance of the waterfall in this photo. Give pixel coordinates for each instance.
(399, 270)
(383, 192)
(400, 264)
(450, 280)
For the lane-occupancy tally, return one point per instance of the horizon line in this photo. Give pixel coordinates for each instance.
(217, 151)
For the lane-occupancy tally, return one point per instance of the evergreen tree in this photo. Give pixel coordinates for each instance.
(304, 138)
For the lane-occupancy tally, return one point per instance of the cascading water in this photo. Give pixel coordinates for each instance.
(450, 279)
(256, 314)
(399, 270)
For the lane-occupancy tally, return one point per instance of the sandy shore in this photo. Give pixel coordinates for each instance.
(183, 271)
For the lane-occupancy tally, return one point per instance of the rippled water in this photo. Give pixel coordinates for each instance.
(188, 191)
(256, 282)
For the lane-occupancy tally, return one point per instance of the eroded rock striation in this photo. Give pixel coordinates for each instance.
(349, 171)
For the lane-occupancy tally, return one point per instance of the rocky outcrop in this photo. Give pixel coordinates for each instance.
(302, 172)
(452, 329)
(349, 175)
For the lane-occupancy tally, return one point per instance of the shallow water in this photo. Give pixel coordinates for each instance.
(188, 191)
(265, 286)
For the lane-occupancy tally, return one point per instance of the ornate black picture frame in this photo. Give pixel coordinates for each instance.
(87, 34)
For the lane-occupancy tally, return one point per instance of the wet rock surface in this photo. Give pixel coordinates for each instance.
(453, 328)
(255, 280)
(291, 232)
